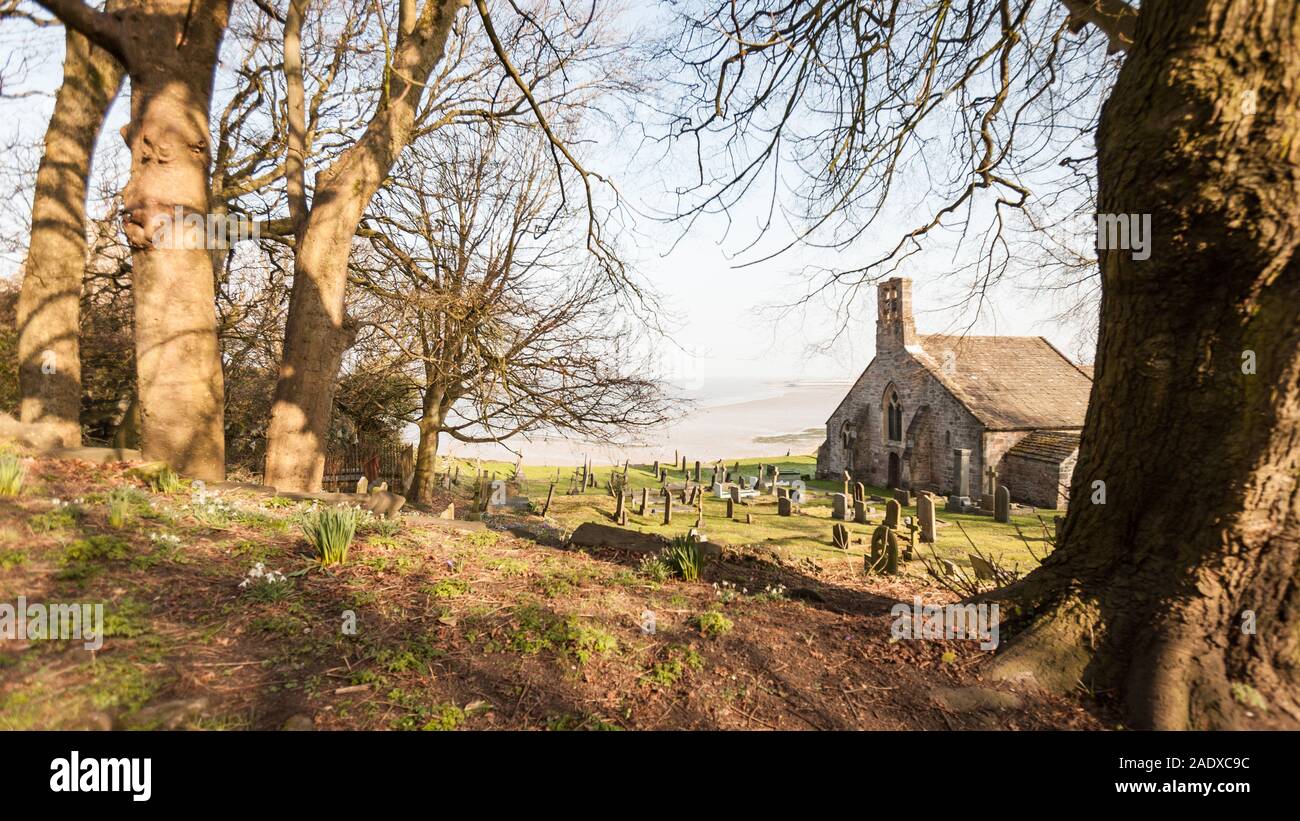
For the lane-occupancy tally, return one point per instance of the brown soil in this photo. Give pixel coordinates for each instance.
(505, 629)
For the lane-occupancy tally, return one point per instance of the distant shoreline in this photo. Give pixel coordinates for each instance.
(772, 420)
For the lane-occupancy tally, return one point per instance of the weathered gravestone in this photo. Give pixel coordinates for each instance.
(860, 512)
(783, 506)
(925, 513)
(983, 570)
(839, 506)
(840, 536)
(961, 472)
(904, 497)
(892, 511)
(1002, 505)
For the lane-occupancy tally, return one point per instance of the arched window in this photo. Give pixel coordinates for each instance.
(847, 434)
(893, 417)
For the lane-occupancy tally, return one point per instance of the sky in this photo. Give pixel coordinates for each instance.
(718, 313)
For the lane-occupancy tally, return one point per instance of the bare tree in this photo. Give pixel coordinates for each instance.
(482, 286)
(1197, 391)
(418, 92)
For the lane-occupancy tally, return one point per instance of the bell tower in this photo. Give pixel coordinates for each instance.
(894, 325)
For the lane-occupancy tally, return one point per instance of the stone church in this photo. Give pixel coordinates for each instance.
(936, 412)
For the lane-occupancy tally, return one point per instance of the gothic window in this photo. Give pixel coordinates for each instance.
(893, 417)
(847, 434)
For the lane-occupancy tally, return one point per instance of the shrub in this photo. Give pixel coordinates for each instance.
(712, 624)
(12, 473)
(683, 556)
(330, 531)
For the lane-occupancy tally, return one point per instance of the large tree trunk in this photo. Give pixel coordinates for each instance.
(178, 358)
(1151, 596)
(169, 48)
(317, 331)
(49, 305)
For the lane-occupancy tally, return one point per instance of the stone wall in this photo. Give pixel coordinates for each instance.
(949, 426)
(1037, 482)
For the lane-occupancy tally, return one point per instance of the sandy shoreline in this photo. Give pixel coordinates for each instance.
(769, 426)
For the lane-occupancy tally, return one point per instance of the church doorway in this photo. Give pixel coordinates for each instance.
(895, 470)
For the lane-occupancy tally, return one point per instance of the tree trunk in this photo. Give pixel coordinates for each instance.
(49, 305)
(1152, 596)
(317, 332)
(424, 480)
(169, 49)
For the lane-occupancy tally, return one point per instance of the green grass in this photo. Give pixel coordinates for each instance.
(807, 534)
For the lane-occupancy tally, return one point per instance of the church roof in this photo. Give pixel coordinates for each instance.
(1053, 446)
(1009, 382)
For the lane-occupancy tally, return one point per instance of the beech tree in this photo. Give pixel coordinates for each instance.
(49, 359)
(1172, 587)
(169, 51)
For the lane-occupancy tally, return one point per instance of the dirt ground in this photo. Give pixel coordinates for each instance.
(427, 627)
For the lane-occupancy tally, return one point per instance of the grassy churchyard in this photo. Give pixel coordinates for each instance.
(1015, 546)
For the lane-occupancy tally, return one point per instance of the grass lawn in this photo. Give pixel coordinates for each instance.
(808, 533)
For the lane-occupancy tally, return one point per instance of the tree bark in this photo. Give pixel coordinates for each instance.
(424, 481)
(169, 49)
(49, 304)
(1150, 596)
(317, 331)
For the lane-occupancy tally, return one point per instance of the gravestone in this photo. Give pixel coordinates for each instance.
(498, 496)
(925, 513)
(619, 506)
(1002, 505)
(983, 570)
(839, 506)
(735, 495)
(668, 508)
(859, 492)
(749, 518)
(697, 473)
(860, 512)
(840, 536)
(961, 472)
(782, 493)
(645, 500)
(731, 508)
(783, 506)
(904, 497)
(956, 504)
(363, 485)
(892, 510)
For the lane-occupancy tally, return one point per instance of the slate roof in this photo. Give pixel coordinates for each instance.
(1009, 382)
(1053, 446)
